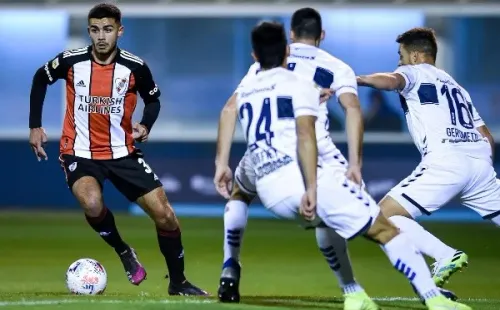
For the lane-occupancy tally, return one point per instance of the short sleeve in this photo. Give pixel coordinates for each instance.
(56, 69)
(305, 98)
(345, 81)
(252, 71)
(146, 86)
(410, 75)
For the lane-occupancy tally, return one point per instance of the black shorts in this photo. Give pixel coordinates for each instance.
(131, 175)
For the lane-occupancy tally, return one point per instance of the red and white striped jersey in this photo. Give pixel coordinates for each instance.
(100, 101)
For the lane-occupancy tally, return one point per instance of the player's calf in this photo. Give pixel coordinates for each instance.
(404, 257)
(235, 221)
(88, 192)
(448, 260)
(157, 206)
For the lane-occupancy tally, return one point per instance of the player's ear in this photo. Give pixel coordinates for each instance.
(120, 30)
(413, 57)
(292, 35)
(322, 36)
(254, 57)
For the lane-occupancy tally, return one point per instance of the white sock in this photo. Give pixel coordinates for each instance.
(334, 249)
(235, 221)
(423, 240)
(408, 261)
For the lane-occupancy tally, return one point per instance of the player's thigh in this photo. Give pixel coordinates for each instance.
(238, 194)
(483, 193)
(344, 206)
(133, 177)
(245, 178)
(428, 188)
(84, 178)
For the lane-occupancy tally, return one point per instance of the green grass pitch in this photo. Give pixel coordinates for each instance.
(282, 268)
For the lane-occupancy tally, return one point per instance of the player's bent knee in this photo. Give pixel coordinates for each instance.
(165, 219)
(88, 192)
(156, 204)
(390, 207)
(382, 230)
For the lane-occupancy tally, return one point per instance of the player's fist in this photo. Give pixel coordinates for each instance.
(223, 180)
(308, 205)
(325, 94)
(38, 139)
(140, 133)
(354, 174)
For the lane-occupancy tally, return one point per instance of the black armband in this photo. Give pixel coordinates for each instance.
(150, 114)
(37, 96)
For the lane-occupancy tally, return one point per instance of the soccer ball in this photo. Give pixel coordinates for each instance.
(86, 276)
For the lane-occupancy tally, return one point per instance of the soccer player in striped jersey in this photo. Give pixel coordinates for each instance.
(454, 142)
(97, 142)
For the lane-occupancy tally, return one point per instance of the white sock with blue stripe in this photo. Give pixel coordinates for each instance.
(235, 222)
(407, 260)
(334, 249)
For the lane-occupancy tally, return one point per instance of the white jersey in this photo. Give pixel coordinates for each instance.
(268, 104)
(440, 114)
(324, 70)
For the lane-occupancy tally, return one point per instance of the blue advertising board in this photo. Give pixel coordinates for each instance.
(186, 170)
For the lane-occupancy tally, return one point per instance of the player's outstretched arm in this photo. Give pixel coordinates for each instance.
(225, 132)
(383, 81)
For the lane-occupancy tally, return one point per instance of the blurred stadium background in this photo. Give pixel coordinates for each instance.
(198, 51)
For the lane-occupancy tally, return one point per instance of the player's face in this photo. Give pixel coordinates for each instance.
(104, 33)
(404, 56)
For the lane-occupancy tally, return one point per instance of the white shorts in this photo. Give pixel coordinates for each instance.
(437, 181)
(244, 174)
(341, 204)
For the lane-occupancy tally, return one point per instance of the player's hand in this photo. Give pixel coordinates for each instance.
(38, 139)
(140, 133)
(354, 174)
(308, 205)
(223, 180)
(325, 94)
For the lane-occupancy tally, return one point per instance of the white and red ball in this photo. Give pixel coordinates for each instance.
(86, 276)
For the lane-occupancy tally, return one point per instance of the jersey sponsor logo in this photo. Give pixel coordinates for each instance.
(100, 104)
(266, 161)
(303, 56)
(154, 90)
(47, 71)
(121, 85)
(258, 90)
(55, 63)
